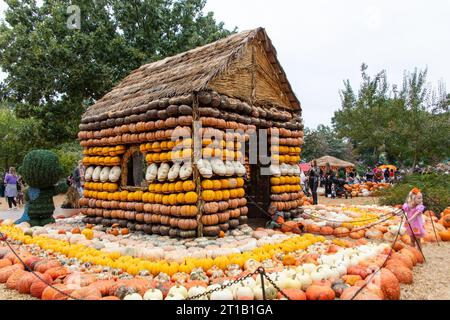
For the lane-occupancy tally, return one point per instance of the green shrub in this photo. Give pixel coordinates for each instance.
(435, 189)
(41, 169)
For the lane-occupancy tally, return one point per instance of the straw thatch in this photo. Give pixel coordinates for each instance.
(334, 162)
(243, 66)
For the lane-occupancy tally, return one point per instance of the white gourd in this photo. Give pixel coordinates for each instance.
(173, 172)
(114, 174)
(229, 167)
(152, 172)
(163, 171)
(205, 168)
(96, 173)
(104, 174)
(88, 173)
(275, 170)
(218, 167)
(185, 171)
(239, 168)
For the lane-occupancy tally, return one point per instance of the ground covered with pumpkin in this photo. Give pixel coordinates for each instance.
(323, 260)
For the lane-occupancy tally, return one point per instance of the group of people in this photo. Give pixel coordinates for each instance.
(11, 188)
(379, 175)
(334, 181)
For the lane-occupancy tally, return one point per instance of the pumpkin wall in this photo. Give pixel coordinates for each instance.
(185, 198)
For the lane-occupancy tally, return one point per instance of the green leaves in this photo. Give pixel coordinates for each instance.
(324, 141)
(54, 73)
(402, 124)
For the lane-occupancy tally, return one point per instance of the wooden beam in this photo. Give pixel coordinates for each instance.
(197, 140)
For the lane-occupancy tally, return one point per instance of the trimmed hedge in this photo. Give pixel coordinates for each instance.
(435, 189)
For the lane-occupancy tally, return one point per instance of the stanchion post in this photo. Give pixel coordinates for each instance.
(261, 274)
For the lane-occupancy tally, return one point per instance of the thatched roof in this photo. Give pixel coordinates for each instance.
(334, 162)
(243, 66)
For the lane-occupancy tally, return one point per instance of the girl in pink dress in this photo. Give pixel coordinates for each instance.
(414, 209)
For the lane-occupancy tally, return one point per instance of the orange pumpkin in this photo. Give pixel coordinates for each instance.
(318, 292)
(445, 235)
(293, 294)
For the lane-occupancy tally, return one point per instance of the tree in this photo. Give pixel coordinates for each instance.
(324, 141)
(54, 72)
(409, 126)
(18, 137)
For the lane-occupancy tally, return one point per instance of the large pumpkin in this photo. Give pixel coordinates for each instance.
(318, 292)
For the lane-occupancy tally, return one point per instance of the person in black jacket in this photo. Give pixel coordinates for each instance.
(313, 181)
(329, 178)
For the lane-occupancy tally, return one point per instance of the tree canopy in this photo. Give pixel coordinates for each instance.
(409, 126)
(324, 141)
(54, 72)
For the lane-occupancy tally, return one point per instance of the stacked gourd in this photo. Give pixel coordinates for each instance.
(183, 198)
(171, 203)
(221, 167)
(103, 172)
(286, 194)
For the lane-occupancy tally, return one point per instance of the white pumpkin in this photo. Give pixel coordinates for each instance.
(243, 293)
(205, 168)
(229, 169)
(275, 170)
(185, 171)
(114, 174)
(153, 294)
(173, 172)
(163, 171)
(179, 290)
(88, 173)
(104, 174)
(239, 168)
(224, 294)
(309, 267)
(96, 173)
(218, 167)
(197, 290)
(174, 296)
(152, 172)
(133, 296)
(304, 279)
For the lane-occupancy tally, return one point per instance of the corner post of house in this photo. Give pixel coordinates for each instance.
(196, 155)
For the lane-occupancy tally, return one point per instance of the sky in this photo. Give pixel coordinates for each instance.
(321, 43)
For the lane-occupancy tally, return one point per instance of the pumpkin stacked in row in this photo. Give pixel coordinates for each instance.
(286, 192)
(222, 186)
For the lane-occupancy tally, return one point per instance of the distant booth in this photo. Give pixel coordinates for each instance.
(141, 141)
(334, 162)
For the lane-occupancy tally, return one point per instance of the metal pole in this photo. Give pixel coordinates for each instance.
(261, 274)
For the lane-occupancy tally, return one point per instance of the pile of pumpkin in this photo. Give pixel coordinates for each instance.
(325, 271)
(444, 221)
(366, 189)
(371, 222)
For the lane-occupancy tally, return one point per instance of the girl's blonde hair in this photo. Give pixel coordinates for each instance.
(411, 198)
(12, 170)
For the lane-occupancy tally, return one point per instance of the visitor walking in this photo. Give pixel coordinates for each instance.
(11, 188)
(78, 176)
(414, 208)
(314, 177)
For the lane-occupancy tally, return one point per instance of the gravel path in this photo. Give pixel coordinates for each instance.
(432, 279)
(8, 294)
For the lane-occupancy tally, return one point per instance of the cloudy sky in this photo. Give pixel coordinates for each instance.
(322, 42)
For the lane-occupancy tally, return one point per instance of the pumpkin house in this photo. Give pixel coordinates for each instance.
(168, 150)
